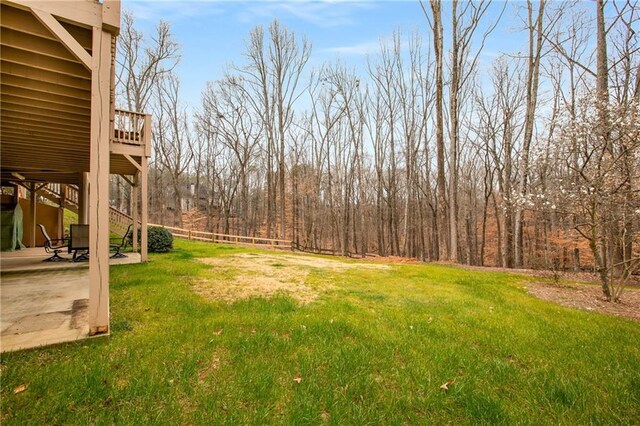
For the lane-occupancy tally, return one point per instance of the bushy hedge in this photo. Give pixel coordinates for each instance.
(159, 240)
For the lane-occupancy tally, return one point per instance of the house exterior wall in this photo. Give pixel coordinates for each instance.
(46, 215)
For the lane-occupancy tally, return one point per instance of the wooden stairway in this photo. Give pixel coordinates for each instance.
(118, 221)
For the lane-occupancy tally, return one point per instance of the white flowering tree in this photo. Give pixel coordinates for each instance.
(598, 185)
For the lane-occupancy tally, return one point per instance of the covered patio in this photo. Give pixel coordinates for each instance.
(61, 138)
(44, 303)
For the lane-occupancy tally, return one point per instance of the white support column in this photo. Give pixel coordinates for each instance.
(134, 210)
(144, 200)
(32, 210)
(99, 184)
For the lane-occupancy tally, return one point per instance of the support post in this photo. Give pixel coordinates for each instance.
(83, 199)
(32, 209)
(61, 211)
(99, 184)
(134, 210)
(144, 200)
(16, 194)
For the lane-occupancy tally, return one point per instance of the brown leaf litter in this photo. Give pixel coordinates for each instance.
(582, 292)
(587, 297)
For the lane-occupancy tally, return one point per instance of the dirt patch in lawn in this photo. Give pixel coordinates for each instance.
(247, 275)
(587, 297)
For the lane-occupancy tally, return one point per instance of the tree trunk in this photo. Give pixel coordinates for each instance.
(535, 29)
(443, 240)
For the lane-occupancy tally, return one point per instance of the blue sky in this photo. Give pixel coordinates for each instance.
(212, 33)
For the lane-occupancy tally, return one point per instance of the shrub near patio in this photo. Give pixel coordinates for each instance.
(389, 344)
(159, 240)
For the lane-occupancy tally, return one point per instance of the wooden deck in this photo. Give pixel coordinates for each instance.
(59, 125)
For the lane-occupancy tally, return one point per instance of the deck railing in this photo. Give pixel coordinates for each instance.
(70, 192)
(131, 127)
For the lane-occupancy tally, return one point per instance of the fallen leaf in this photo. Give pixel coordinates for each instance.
(215, 363)
(20, 389)
(218, 332)
(298, 379)
(445, 386)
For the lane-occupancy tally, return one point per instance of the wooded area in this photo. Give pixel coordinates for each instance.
(533, 161)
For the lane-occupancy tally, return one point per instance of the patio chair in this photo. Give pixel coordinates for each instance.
(54, 246)
(121, 245)
(79, 242)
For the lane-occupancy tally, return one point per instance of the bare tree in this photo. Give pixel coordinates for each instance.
(143, 62)
(435, 23)
(172, 137)
(273, 75)
(536, 29)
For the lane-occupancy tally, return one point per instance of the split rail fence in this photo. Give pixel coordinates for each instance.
(213, 237)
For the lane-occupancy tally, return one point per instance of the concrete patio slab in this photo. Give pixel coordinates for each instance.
(32, 259)
(44, 303)
(43, 308)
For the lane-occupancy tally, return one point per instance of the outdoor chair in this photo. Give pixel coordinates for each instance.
(79, 242)
(54, 246)
(122, 245)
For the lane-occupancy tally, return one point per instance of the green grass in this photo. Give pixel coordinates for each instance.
(68, 219)
(374, 349)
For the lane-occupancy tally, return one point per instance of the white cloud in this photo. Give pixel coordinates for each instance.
(364, 48)
(321, 13)
(171, 10)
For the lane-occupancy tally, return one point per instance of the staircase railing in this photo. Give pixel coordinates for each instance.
(118, 221)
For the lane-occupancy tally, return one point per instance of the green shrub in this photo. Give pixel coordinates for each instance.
(159, 240)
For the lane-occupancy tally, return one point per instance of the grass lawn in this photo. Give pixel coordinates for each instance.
(374, 347)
